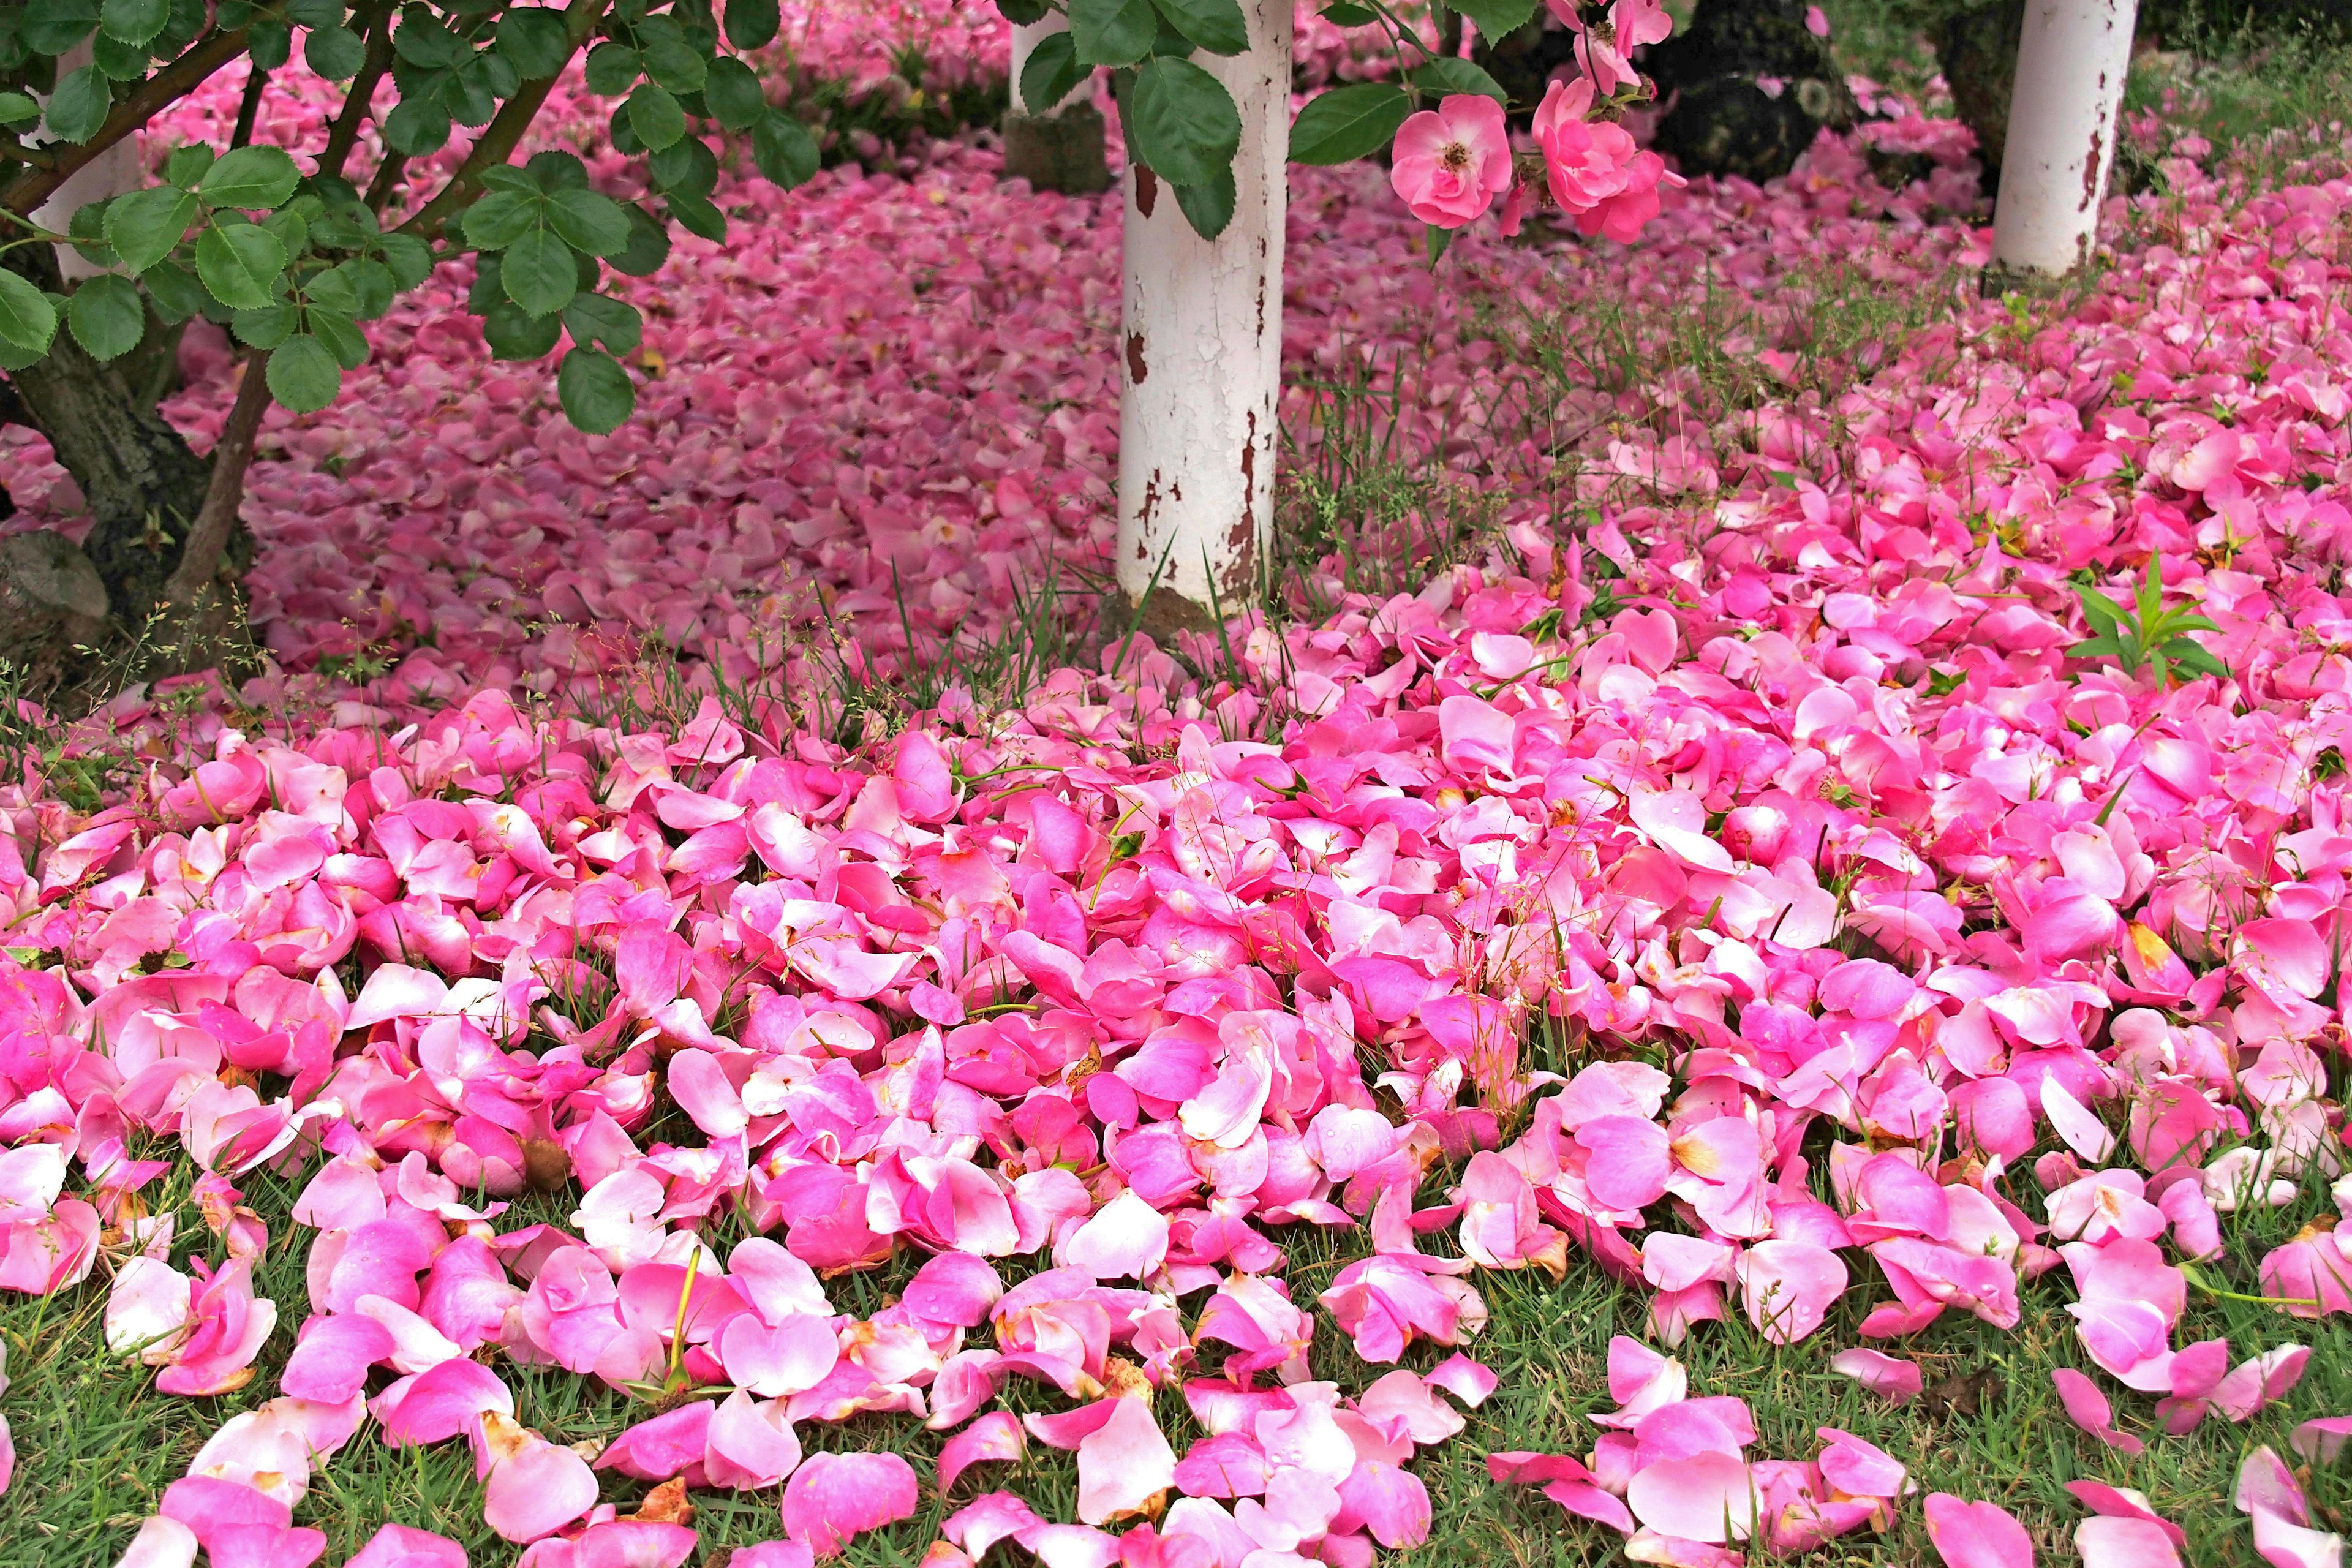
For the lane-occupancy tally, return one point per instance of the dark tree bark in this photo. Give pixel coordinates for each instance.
(143, 484)
(1976, 45)
(1721, 120)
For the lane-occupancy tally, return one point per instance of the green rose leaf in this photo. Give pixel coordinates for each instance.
(239, 263)
(1445, 76)
(596, 393)
(783, 150)
(334, 54)
(250, 178)
(1349, 122)
(534, 41)
(303, 375)
(134, 21)
(539, 273)
(1216, 25)
(734, 95)
(1052, 72)
(27, 320)
(146, 225)
(587, 221)
(80, 106)
(1184, 121)
(1113, 32)
(654, 116)
(108, 316)
(605, 322)
(751, 24)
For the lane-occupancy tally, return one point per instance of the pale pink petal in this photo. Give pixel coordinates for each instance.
(2322, 1438)
(161, 1543)
(2111, 1542)
(1125, 1239)
(534, 1487)
(1124, 1464)
(1465, 1379)
(1790, 1287)
(1706, 1497)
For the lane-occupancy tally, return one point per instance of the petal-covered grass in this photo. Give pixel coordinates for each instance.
(1723, 718)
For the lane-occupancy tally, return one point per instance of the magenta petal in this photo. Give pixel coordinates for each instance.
(834, 1498)
(1977, 1535)
(996, 1436)
(440, 1402)
(661, 1445)
(772, 1554)
(404, 1546)
(1390, 1503)
(2088, 1408)
(750, 1444)
(1892, 1378)
(953, 1287)
(334, 1356)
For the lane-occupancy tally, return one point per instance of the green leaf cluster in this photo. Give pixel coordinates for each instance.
(2147, 634)
(295, 263)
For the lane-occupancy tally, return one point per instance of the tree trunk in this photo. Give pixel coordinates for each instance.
(1976, 47)
(143, 484)
(1722, 121)
(2071, 59)
(1200, 346)
(1059, 148)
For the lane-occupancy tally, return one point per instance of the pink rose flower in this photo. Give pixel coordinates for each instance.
(1586, 162)
(1452, 161)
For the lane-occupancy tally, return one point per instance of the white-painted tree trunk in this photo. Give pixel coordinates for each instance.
(1026, 39)
(1201, 348)
(110, 174)
(2071, 60)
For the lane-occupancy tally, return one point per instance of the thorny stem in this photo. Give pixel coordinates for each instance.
(166, 87)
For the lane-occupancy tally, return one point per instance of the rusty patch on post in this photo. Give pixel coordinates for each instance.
(1147, 190)
(2091, 172)
(1136, 369)
(1243, 540)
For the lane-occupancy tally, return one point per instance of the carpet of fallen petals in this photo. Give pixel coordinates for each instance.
(1751, 759)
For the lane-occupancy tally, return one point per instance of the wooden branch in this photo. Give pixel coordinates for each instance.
(505, 133)
(360, 100)
(248, 108)
(200, 552)
(26, 194)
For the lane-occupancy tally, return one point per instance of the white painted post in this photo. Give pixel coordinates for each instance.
(110, 174)
(2071, 59)
(1201, 348)
(1057, 149)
